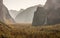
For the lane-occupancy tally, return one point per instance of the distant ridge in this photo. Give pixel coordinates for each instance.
(26, 16)
(14, 13)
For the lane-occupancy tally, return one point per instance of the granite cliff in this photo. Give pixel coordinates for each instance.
(4, 14)
(49, 14)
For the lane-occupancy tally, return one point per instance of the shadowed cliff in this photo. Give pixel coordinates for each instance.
(49, 14)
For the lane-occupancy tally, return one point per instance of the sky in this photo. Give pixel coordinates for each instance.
(21, 4)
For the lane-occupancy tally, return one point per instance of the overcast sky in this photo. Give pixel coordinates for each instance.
(18, 4)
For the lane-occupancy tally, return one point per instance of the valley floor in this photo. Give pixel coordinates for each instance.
(29, 31)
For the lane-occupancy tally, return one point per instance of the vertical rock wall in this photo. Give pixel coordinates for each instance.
(49, 14)
(39, 16)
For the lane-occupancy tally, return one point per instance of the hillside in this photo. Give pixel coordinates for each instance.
(4, 30)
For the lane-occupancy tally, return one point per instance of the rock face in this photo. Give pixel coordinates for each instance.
(52, 4)
(4, 14)
(39, 16)
(26, 16)
(49, 14)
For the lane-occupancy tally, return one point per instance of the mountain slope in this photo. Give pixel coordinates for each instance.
(4, 14)
(26, 16)
(5, 30)
(13, 13)
(49, 14)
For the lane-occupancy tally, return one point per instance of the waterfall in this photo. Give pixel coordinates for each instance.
(45, 21)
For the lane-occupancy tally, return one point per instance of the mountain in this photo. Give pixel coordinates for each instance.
(39, 16)
(26, 16)
(20, 10)
(4, 14)
(14, 13)
(47, 15)
(52, 4)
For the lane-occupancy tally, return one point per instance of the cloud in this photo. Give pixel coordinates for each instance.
(18, 4)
